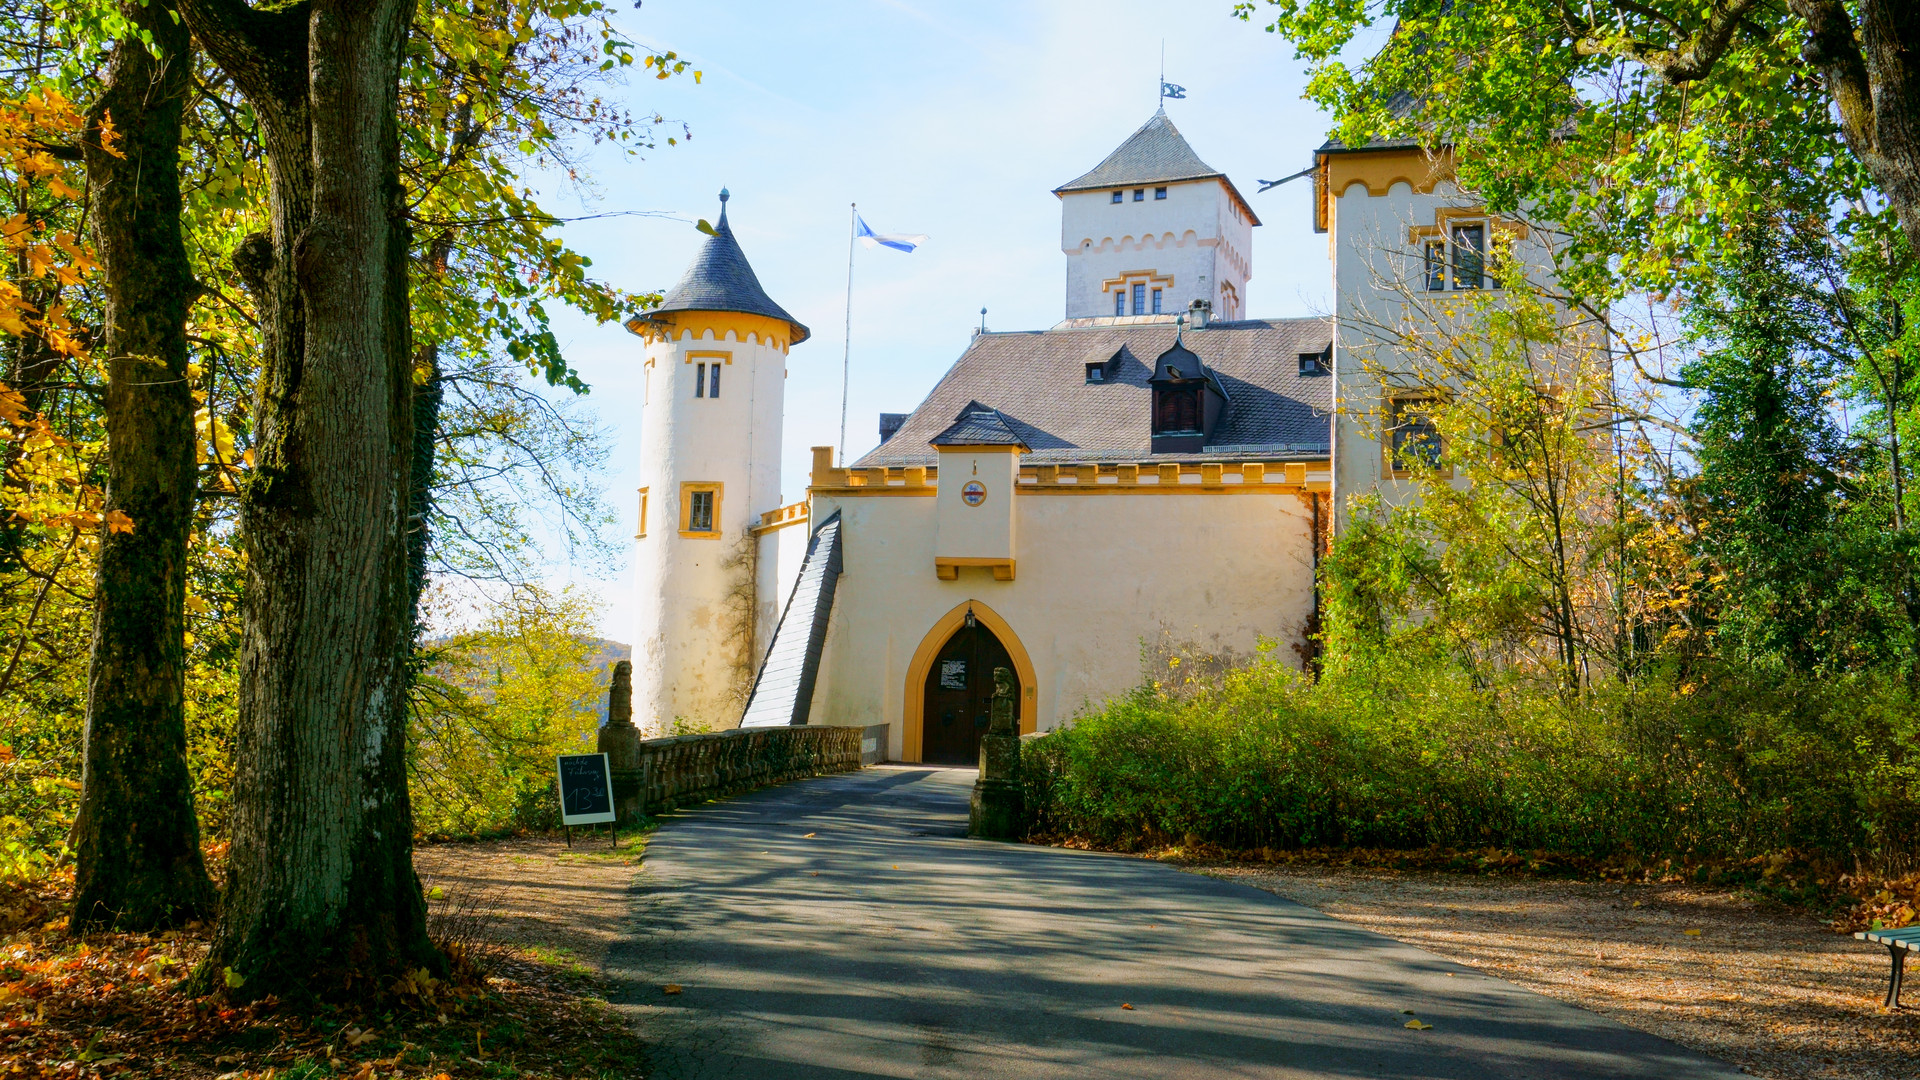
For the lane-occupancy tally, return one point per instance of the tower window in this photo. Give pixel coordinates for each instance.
(699, 380)
(1415, 441)
(1159, 193)
(1469, 256)
(1118, 195)
(713, 381)
(1139, 194)
(700, 510)
(1140, 299)
(1119, 302)
(641, 533)
(1156, 301)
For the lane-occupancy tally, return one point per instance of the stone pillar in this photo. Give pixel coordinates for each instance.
(620, 741)
(996, 795)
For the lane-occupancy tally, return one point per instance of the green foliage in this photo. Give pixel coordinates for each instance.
(1401, 751)
(492, 709)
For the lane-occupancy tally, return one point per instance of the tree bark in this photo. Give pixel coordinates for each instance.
(322, 896)
(136, 841)
(1872, 76)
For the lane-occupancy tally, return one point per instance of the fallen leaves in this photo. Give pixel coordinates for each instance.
(809, 836)
(672, 988)
(1416, 1025)
(1126, 1005)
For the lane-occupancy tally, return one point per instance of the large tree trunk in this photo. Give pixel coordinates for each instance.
(136, 841)
(1873, 74)
(322, 895)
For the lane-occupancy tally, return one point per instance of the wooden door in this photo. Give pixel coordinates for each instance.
(959, 696)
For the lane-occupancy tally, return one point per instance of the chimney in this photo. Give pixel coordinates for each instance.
(1198, 313)
(890, 423)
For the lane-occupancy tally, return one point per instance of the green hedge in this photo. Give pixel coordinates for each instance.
(1412, 758)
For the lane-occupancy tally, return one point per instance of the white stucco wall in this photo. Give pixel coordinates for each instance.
(1101, 579)
(1198, 235)
(696, 598)
(1374, 258)
(985, 531)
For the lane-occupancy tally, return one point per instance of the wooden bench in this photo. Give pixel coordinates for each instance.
(1899, 943)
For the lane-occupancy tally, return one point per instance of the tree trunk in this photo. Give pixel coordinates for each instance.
(322, 896)
(135, 839)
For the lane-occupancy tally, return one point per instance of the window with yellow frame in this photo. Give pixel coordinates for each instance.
(700, 509)
(641, 533)
(1412, 439)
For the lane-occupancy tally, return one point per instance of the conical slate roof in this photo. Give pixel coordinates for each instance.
(1155, 154)
(720, 279)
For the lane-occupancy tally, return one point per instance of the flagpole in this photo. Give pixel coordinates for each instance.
(846, 339)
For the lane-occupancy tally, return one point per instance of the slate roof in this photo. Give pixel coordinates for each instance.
(783, 690)
(1155, 154)
(721, 279)
(1035, 381)
(978, 425)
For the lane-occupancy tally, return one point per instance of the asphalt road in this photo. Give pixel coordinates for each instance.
(887, 944)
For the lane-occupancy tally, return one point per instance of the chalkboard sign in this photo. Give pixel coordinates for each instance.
(586, 789)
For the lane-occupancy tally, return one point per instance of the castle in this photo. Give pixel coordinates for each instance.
(1158, 472)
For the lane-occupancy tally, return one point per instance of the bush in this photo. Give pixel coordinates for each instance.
(1405, 753)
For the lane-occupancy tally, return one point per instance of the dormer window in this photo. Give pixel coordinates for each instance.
(1176, 410)
(1097, 372)
(1317, 363)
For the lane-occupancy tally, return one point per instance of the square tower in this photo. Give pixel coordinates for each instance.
(1152, 229)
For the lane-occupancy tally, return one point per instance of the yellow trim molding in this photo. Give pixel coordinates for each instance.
(672, 326)
(915, 704)
(707, 354)
(790, 514)
(1421, 169)
(687, 489)
(947, 568)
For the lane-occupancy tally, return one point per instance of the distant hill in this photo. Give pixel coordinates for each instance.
(606, 654)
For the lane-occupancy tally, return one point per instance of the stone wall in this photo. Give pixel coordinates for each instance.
(666, 773)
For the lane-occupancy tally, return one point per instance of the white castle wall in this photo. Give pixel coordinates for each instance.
(1198, 234)
(698, 608)
(1104, 580)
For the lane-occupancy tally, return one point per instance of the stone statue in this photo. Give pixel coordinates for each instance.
(996, 795)
(620, 741)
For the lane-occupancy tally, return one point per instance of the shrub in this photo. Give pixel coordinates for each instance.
(1410, 753)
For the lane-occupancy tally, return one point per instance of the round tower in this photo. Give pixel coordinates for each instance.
(715, 380)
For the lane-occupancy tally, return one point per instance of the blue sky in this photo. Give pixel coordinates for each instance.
(954, 120)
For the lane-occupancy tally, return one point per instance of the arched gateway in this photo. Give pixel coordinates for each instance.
(950, 685)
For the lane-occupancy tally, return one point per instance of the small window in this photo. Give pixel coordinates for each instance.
(1415, 441)
(1469, 256)
(1159, 193)
(713, 381)
(1139, 299)
(699, 380)
(1118, 195)
(1139, 194)
(1156, 301)
(1097, 372)
(641, 533)
(1119, 302)
(1436, 265)
(700, 510)
(1316, 363)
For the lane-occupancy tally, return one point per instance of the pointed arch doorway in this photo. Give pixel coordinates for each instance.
(949, 689)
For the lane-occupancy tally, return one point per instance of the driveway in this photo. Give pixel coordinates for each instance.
(886, 944)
